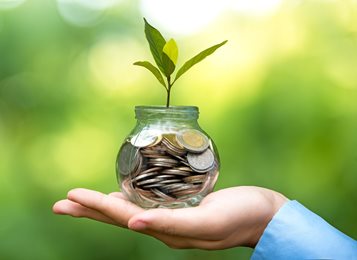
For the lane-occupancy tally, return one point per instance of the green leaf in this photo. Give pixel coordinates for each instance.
(169, 66)
(171, 50)
(156, 43)
(153, 69)
(199, 57)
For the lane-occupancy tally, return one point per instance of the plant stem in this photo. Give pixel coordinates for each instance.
(169, 85)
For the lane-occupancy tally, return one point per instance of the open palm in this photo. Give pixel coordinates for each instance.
(227, 218)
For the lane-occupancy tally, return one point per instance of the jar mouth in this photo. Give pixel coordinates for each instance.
(147, 112)
(164, 108)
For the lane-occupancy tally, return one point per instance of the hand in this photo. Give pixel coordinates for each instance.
(227, 218)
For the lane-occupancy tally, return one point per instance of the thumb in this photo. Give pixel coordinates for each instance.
(187, 222)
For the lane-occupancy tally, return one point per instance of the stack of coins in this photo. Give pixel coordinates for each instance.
(166, 167)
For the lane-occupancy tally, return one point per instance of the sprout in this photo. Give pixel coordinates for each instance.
(165, 55)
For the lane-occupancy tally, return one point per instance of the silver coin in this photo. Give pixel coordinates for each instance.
(172, 186)
(185, 163)
(182, 159)
(176, 172)
(142, 176)
(184, 168)
(150, 151)
(201, 162)
(170, 181)
(149, 156)
(149, 181)
(180, 188)
(155, 185)
(128, 159)
(139, 165)
(164, 160)
(149, 196)
(145, 138)
(161, 194)
(166, 176)
(155, 149)
(160, 164)
(203, 171)
(154, 169)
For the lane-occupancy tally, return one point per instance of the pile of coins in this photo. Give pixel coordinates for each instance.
(165, 167)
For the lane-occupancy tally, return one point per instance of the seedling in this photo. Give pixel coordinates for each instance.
(165, 55)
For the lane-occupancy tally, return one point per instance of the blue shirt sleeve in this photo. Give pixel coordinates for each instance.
(297, 233)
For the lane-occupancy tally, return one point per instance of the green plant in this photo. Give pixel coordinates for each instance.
(165, 55)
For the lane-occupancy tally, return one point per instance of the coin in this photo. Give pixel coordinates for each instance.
(184, 168)
(163, 162)
(169, 166)
(165, 159)
(137, 169)
(182, 159)
(201, 162)
(161, 194)
(142, 176)
(165, 176)
(175, 171)
(195, 179)
(179, 187)
(145, 182)
(193, 140)
(127, 185)
(168, 187)
(173, 147)
(186, 192)
(171, 139)
(146, 137)
(129, 159)
(157, 149)
(154, 185)
(170, 181)
(154, 169)
(146, 193)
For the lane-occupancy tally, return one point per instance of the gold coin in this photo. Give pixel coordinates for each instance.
(193, 140)
(171, 138)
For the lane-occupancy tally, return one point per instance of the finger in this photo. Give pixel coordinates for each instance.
(67, 207)
(180, 242)
(115, 208)
(196, 223)
(118, 195)
(79, 210)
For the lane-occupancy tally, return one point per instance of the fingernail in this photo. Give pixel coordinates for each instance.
(138, 225)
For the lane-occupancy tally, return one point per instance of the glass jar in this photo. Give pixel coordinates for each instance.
(167, 160)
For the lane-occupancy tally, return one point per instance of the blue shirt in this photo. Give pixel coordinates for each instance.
(297, 233)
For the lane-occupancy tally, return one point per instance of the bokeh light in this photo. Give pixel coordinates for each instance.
(84, 12)
(9, 4)
(255, 7)
(110, 61)
(182, 16)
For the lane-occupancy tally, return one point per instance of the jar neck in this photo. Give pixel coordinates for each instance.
(161, 114)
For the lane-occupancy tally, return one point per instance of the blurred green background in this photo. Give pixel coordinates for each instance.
(280, 101)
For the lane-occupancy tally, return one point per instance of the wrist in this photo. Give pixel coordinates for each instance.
(270, 204)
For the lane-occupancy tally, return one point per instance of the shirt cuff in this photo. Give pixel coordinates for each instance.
(297, 233)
